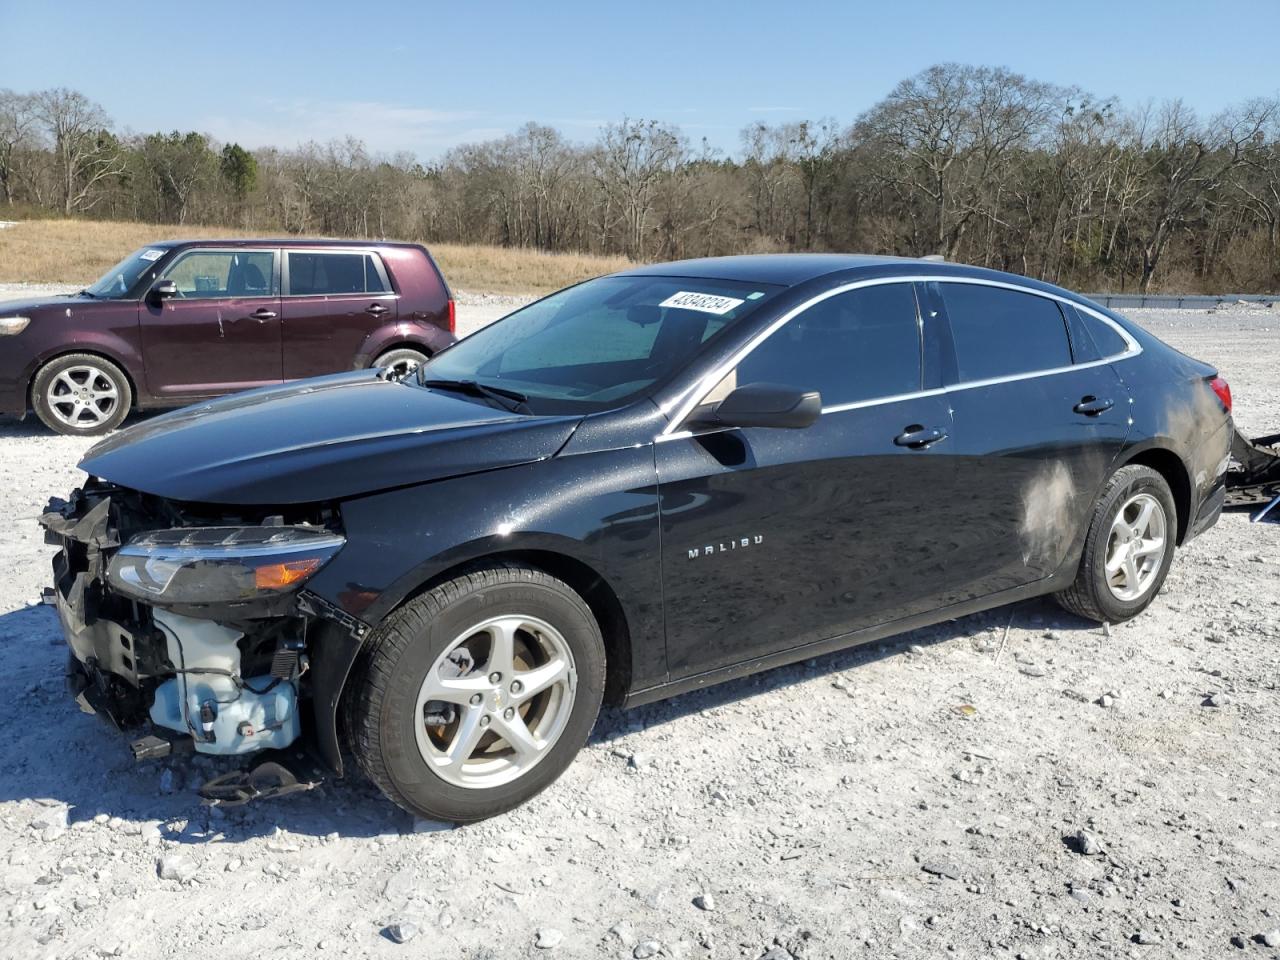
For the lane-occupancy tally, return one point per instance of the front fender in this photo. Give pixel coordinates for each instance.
(598, 509)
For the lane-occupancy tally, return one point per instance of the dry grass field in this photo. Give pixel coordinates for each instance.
(79, 251)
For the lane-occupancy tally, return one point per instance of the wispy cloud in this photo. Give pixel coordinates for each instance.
(383, 127)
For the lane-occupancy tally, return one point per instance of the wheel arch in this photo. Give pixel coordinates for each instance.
(74, 350)
(1169, 465)
(586, 581)
(332, 680)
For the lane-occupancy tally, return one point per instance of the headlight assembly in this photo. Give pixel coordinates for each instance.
(198, 565)
(12, 325)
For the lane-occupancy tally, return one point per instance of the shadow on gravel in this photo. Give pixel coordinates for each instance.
(617, 723)
(54, 754)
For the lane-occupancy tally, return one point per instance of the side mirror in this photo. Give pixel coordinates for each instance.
(163, 290)
(767, 405)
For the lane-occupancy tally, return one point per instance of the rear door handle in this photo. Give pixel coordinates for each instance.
(262, 314)
(376, 309)
(917, 437)
(1092, 406)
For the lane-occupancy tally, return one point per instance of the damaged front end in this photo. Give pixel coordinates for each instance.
(188, 620)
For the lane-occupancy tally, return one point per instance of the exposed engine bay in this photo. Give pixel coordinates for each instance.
(185, 623)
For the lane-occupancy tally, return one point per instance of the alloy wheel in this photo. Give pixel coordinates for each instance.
(82, 396)
(495, 701)
(1136, 547)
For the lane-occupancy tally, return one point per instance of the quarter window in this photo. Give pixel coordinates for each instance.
(860, 345)
(322, 274)
(220, 274)
(999, 332)
(1109, 342)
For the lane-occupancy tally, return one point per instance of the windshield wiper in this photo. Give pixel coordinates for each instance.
(86, 293)
(512, 400)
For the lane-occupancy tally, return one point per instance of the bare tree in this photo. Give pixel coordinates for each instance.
(85, 151)
(632, 158)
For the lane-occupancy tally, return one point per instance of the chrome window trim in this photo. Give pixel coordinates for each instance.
(685, 403)
(378, 263)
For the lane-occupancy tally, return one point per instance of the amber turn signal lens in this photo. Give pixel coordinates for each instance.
(277, 576)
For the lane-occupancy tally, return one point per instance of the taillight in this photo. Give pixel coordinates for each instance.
(1223, 390)
(453, 319)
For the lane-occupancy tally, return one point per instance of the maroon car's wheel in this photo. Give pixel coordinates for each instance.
(401, 362)
(81, 395)
(1128, 549)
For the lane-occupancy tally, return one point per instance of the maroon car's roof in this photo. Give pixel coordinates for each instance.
(279, 242)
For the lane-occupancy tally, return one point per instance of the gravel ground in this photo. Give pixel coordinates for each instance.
(1056, 792)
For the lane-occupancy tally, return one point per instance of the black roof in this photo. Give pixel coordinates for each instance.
(787, 269)
(792, 269)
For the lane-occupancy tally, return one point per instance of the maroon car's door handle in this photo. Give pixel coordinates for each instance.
(376, 309)
(1092, 406)
(917, 437)
(262, 314)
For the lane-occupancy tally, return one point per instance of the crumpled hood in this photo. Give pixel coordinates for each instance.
(327, 438)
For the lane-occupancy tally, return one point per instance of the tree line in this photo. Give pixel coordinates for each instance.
(978, 164)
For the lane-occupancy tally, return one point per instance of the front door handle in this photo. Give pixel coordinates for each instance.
(917, 437)
(262, 314)
(376, 309)
(1091, 406)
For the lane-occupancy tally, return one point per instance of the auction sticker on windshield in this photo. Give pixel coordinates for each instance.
(151, 254)
(705, 302)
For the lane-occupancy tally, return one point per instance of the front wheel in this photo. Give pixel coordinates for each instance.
(401, 362)
(1128, 550)
(476, 695)
(81, 395)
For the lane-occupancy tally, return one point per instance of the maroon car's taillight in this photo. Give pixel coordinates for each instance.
(1223, 390)
(453, 321)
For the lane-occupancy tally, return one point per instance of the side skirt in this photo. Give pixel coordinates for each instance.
(1059, 580)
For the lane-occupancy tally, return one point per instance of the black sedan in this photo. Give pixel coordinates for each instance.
(637, 486)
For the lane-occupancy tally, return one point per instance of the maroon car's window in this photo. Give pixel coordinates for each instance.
(999, 332)
(212, 274)
(319, 274)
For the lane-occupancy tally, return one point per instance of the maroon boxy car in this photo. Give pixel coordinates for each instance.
(186, 320)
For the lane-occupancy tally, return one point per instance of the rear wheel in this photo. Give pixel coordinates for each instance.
(401, 362)
(81, 394)
(1128, 550)
(476, 695)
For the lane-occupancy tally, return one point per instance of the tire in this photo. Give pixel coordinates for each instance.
(81, 395)
(402, 360)
(403, 740)
(1119, 595)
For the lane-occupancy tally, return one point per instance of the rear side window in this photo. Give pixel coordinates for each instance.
(999, 332)
(318, 274)
(859, 345)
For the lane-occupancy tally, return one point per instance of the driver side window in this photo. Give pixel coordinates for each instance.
(860, 345)
(215, 274)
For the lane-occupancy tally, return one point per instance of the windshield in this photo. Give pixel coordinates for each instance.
(601, 343)
(122, 278)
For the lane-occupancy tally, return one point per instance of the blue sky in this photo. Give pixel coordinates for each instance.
(424, 76)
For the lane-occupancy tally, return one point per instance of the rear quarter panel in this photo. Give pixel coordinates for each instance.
(424, 297)
(1175, 409)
